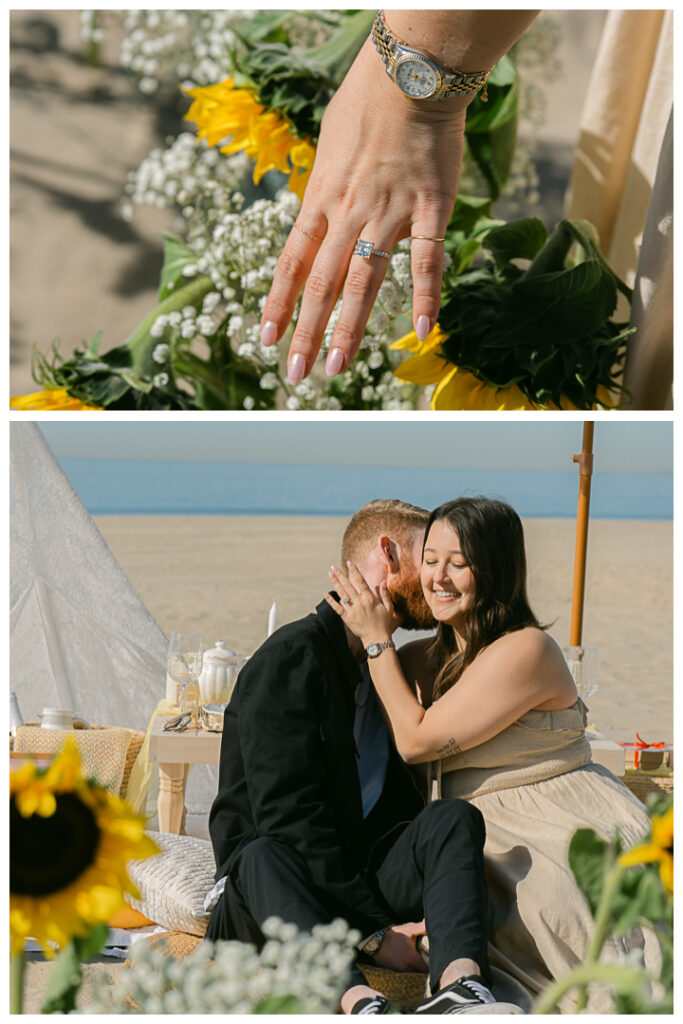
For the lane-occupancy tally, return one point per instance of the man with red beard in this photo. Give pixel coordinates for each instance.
(316, 815)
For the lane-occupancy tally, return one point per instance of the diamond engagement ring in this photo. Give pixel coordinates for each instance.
(367, 249)
(346, 600)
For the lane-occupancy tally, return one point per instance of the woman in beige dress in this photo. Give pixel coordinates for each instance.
(490, 710)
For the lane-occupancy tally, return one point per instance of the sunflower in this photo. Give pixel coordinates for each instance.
(70, 842)
(659, 849)
(223, 111)
(53, 399)
(458, 388)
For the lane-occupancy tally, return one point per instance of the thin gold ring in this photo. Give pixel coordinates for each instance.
(428, 238)
(315, 238)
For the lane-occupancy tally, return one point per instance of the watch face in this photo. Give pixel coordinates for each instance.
(373, 650)
(416, 78)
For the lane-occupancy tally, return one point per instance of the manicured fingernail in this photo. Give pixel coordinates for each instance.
(296, 368)
(422, 327)
(334, 362)
(268, 333)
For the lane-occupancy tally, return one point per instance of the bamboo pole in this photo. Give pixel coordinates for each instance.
(585, 463)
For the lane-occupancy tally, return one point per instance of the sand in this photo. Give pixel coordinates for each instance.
(220, 574)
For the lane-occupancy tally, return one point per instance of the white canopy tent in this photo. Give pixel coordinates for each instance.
(80, 636)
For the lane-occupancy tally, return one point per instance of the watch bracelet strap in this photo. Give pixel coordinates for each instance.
(384, 645)
(455, 83)
(377, 936)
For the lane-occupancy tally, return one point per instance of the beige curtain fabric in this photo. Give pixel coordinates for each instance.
(621, 152)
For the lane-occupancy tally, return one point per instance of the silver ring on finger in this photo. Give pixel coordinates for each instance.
(346, 600)
(367, 249)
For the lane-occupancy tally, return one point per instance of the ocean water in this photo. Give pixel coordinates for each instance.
(151, 487)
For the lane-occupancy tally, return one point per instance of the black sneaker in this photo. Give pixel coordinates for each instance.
(376, 1004)
(466, 995)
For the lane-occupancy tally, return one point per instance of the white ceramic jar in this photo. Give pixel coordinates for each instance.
(220, 668)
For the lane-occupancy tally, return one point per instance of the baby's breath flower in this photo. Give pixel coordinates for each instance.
(161, 353)
(160, 380)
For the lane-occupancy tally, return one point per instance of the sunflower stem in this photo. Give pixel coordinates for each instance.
(603, 917)
(17, 966)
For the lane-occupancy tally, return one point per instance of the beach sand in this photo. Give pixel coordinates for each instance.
(219, 575)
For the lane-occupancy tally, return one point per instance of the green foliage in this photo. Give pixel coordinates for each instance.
(127, 377)
(66, 975)
(297, 83)
(491, 126)
(278, 1004)
(546, 329)
(620, 898)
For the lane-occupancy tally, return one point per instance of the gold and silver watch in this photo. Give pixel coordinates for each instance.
(417, 74)
(374, 650)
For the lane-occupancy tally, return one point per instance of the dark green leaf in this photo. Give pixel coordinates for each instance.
(519, 239)
(589, 857)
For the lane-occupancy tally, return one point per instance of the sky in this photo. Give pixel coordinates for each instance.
(631, 446)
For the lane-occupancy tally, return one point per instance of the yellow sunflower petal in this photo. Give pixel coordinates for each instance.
(51, 398)
(424, 369)
(644, 853)
(666, 872)
(410, 341)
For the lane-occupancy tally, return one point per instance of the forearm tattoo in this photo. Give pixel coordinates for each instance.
(450, 747)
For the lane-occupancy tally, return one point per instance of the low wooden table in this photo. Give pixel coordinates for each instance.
(174, 752)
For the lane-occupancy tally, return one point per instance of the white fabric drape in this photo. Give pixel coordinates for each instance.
(80, 636)
(623, 175)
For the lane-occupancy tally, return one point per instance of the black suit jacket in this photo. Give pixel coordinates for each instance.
(288, 768)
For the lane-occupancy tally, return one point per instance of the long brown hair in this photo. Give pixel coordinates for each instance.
(492, 544)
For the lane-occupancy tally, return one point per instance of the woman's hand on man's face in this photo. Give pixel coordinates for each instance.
(369, 616)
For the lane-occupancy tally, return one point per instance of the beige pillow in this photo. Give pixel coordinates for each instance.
(174, 883)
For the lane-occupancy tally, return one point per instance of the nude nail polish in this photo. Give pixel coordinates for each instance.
(422, 327)
(334, 362)
(296, 368)
(268, 333)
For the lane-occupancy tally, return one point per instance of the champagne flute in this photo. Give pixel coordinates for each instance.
(584, 665)
(184, 667)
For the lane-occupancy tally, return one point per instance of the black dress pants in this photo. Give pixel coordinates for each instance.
(435, 870)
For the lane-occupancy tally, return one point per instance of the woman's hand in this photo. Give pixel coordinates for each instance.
(386, 168)
(369, 617)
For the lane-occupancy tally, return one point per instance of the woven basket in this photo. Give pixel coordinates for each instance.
(642, 784)
(403, 990)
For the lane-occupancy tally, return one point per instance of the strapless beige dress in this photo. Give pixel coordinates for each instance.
(535, 784)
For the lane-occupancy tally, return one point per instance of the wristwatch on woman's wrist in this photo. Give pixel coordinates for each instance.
(417, 74)
(374, 650)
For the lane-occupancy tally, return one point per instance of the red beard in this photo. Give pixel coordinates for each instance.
(409, 603)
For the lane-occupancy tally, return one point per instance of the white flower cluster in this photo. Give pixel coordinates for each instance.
(191, 177)
(162, 47)
(232, 977)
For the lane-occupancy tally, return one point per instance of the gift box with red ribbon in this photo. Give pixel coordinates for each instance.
(648, 756)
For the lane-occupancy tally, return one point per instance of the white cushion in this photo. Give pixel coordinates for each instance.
(173, 884)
